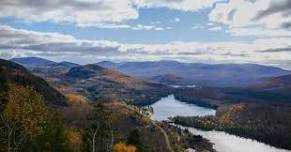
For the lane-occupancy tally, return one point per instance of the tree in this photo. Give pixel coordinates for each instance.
(121, 147)
(99, 134)
(23, 116)
(3, 89)
(3, 101)
(134, 138)
(74, 139)
(28, 125)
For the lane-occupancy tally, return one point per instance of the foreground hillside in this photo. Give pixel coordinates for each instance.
(13, 73)
(28, 119)
(155, 136)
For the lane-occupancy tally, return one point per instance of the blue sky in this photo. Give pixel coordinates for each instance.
(85, 31)
(182, 26)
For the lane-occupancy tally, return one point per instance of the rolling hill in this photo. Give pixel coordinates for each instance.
(32, 61)
(105, 85)
(274, 83)
(214, 75)
(36, 62)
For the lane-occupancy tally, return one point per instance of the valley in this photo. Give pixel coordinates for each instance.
(256, 110)
(145, 75)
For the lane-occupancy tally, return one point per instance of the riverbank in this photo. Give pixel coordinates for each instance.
(222, 141)
(262, 123)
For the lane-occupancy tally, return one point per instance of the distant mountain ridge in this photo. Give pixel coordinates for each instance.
(36, 62)
(171, 72)
(32, 61)
(217, 75)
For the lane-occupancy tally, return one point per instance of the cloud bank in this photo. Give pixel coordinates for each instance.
(17, 43)
(266, 22)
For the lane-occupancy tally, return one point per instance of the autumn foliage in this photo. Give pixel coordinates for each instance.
(27, 124)
(121, 147)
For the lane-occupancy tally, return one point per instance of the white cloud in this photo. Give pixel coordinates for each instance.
(15, 42)
(20, 38)
(260, 17)
(90, 12)
(184, 5)
(260, 32)
(79, 12)
(216, 28)
(137, 27)
(176, 20)
(197, 27)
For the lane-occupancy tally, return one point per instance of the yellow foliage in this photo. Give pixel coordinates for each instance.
(121, 147)
(27, 109)
(74, 139)
(76, 99)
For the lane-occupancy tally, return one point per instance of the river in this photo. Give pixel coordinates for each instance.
(223, 142)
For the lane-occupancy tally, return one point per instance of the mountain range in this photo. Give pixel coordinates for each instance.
(214, 75)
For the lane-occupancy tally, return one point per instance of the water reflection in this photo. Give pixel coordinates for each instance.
(170, 107)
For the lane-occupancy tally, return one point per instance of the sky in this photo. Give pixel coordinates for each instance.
(205, 31)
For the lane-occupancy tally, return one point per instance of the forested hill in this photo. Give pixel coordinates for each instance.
(105, 85)
(13, 73)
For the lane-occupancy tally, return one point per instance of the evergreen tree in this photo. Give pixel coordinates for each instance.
(3, 89)
(134, 139)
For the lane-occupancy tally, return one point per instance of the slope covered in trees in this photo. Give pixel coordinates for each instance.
(14, 73)
(105, 85)
(27, 124)
(268, 124)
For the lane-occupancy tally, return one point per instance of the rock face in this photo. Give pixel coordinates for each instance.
(16, 74)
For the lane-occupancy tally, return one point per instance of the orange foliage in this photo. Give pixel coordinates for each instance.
(121, 147)
(74, 139)
(75, 99)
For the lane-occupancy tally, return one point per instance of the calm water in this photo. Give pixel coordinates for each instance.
(170, 107)
(223, 142)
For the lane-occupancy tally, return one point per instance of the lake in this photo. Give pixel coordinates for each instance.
(223, 142)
